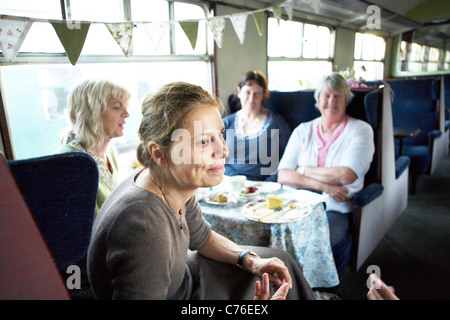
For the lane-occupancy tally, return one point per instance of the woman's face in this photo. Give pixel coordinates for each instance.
(113, 118)
(332, 104)
(198, 151)
(251, 95)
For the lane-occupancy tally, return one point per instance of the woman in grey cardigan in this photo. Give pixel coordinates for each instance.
(150, 240)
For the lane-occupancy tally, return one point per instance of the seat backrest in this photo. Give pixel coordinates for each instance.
(299, 106)
(295, 107)
(61, 193)
(413, 106)
(27, 270)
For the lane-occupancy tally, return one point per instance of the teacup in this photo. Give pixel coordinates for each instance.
(237, 182)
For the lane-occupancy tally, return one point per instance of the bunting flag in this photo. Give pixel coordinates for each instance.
(314, 4)
(276, 13)
(288, 6)
(259, 19)
(72, 34)
(155, 32)
(123, 34)
(190, 28)
(12, 33)
(72, 39)
(239, 22)
(217, 26)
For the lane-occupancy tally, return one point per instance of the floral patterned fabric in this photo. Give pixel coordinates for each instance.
(307, 240)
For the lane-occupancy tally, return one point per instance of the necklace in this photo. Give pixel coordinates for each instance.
(179, 214)
(246, 127)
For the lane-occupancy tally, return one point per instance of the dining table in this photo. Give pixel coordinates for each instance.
(304, 234)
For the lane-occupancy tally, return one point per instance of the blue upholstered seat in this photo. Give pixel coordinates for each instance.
(299, 106)
(61, 193)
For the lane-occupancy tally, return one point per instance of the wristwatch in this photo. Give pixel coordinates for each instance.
(302, 170)
(242, 256)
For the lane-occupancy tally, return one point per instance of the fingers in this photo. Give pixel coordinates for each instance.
(262, 293)
(379, 290)
(281, 292)
(279, 274)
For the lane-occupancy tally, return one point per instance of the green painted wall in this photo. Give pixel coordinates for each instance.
(430, 10)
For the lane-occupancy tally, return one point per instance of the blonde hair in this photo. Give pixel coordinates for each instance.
(163, 112)
(87, 102)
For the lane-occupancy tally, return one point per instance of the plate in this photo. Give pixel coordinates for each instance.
(258, 211)
(267, 186)
(212, 199)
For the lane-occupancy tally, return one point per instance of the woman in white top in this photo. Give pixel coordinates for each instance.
(330, 154)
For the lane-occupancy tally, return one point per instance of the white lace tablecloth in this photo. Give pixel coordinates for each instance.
(307, 240)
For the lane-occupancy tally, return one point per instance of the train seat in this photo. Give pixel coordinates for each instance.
(299, 106)
(28, 271)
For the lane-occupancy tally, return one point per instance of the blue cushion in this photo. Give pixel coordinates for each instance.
(368, 194)
(401, 164)
(61, 192)
(420, 158)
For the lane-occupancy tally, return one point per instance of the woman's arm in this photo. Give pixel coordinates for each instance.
(224, 250)
(296, 180)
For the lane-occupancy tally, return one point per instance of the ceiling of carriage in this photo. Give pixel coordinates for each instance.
(429, 19)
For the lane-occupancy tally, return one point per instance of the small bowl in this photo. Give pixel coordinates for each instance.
(249, 193)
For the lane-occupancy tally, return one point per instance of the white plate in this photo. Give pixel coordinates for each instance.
(257, 211)
(267, 186)
(210, 199)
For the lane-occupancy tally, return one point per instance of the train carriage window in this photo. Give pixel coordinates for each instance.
(35, 87)
(369, 56)
(419, 58)
(298, 54)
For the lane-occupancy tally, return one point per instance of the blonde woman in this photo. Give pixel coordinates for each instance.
(150, 240)
(98, 111)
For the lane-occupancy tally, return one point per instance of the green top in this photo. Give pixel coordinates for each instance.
(107, 180)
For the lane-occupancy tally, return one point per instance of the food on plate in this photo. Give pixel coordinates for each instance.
(273, 202)
(249, 190)
(221, 197)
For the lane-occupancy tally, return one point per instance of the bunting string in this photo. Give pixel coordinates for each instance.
(72, 33)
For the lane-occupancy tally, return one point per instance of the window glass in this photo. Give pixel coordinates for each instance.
(298, 54)
(296, 75)
(185, 11)
(33, 41)
(98, 10)
(150, 11)
(100, 42)
(369, 55)
(43, 9)
(47, 86)
(284, 39)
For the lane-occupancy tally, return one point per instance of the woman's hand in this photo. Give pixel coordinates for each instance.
(263, 292)
(379, 290)
(338, 193)
(277, 272)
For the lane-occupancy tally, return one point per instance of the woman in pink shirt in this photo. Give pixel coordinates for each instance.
(330, 154)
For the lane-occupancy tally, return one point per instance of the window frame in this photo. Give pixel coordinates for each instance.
(42, 58)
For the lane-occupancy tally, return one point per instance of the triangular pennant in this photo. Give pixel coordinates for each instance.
(72, 39)
(276, 13)
(314, 4)
(239, 22)
(155, 32)
(123, 34)
(12, 33)
(217, 27)
(288, 6)
(259, 19)
(190, 28)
